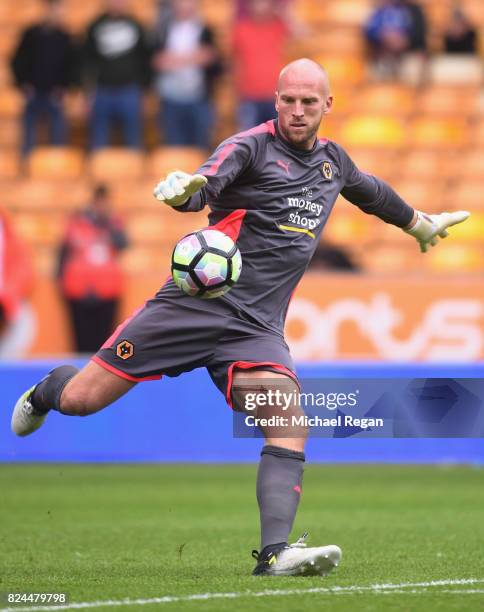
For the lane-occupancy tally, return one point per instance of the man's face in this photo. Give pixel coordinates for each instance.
(301, 104)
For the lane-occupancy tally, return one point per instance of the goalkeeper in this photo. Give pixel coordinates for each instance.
(272, 190)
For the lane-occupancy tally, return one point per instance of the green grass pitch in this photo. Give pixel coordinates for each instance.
(104, 532)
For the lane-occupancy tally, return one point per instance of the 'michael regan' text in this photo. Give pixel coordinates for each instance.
(313, 421)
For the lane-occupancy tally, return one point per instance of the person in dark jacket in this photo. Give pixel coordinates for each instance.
(460, 35)
(116, 67)
(44, 66)
(89, 273)
(395, 30)
(186, 62)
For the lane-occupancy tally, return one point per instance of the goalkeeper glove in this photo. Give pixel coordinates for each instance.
(429, 228)
(177, 187)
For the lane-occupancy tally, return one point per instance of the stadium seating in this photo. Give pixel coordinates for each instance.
(115, 164)
(166, 159)
(448, 101)
(373, 131)
(428, 165)
(455, 70)
(11, 102)
(455, 258)
(9, 165)
(388, 99)
(438, 133)
(55, 163)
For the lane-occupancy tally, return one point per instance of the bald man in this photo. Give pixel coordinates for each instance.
(271, 189)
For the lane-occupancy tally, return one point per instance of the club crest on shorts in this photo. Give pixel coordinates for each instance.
(125, 349)
(327, 170)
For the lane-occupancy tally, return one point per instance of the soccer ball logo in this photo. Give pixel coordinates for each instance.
(206, 263)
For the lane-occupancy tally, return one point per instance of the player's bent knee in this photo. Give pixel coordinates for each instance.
(274, 401)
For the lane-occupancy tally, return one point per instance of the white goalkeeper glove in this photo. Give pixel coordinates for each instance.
(429, 228)
(177, 187)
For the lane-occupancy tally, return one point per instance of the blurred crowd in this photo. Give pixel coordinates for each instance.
(117, 60)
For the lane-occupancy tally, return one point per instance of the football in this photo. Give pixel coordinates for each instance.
(206, 263)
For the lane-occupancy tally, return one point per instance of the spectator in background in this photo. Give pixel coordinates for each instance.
(186, 62)
(89, 273)
(116, 66)
(394, 31)
(17, 323)
(460, 36)
(44, 66)
(259, 41)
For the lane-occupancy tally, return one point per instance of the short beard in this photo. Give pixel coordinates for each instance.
(304, 142)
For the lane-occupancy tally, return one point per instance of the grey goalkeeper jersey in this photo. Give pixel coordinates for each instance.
(274, 201)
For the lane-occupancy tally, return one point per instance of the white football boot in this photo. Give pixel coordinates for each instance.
(298, 560)
(25, 420)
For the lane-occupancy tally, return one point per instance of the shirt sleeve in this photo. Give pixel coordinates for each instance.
(229, 160)
(372, 195)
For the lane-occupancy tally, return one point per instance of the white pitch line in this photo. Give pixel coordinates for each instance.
(403, 587)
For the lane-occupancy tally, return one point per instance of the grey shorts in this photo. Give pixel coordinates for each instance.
(174, 333)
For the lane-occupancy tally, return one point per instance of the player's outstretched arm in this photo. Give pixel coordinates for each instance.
(427, 229)
(178, 187)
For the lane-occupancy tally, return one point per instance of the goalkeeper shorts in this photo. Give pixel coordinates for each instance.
(174, 333)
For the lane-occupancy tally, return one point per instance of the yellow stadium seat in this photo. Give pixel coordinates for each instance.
(428, 195)
(39, 228)
(114, 164)
(8, 41)
(335, 40)
(330, 127)
(9, 164)
(145, 229)
(373, 131)
(473, 8)
(46, 195)
(343, 70)
(471, 165)
(450, 257)
(163, 227)
(468, 194)
(79, 14)
(166, 159)
(10, 133)
(218, 14)
(11, 103)
(430, 165)
(478, 134)
(348, 223)
(55, 163)
(457, 70)
(349, 12)
(379, 162)
(386, 99)
(344, 101)
(391, 258)
(142, 259)
(430, 132)
(145, 12)
(134, 196)
(441, 100)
